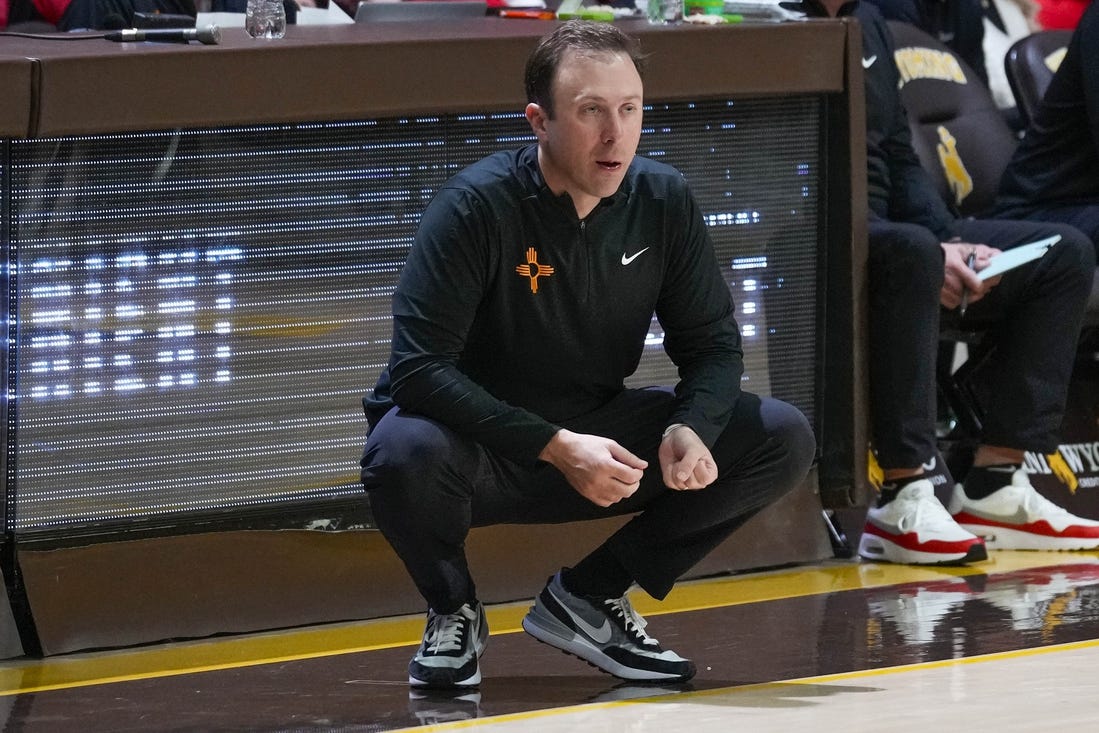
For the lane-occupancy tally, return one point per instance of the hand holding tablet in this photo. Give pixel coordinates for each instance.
(1006, 261)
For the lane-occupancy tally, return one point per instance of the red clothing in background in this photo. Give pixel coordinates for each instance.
(1060, 14)
(47, 11)
(51, 10)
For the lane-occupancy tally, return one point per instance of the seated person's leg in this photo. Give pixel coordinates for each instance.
(1033, 316)
(1085, 218)
(908, 524)
(905, 276)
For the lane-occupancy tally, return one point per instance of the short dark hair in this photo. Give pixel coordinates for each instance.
(584, 36)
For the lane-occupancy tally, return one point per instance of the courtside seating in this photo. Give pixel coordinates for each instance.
(964, 142)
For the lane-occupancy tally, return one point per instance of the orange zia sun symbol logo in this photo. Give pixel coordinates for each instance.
(533, 270)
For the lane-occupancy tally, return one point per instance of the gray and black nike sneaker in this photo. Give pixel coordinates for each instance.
(452, 644)
(608, 634)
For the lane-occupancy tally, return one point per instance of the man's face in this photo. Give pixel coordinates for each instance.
(588, 145)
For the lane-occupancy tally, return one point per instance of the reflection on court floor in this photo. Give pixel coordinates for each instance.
(1005, 645)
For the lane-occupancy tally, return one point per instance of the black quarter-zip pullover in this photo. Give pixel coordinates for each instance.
(512, 315)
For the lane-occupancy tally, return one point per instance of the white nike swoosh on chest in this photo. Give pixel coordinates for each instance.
(627, 260)
(867, 63)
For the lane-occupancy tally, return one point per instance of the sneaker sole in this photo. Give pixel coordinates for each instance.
(1002, 538)
(559, 636)
(441, 683)
(879, 549)
(472, 681)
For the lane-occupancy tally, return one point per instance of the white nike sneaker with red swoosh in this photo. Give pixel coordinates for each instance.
(1017, 517)
(915, 529)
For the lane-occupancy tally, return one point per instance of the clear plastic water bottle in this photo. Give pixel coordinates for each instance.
(664, 11)
(265, 19)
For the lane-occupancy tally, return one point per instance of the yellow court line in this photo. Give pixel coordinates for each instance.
(679, 697)
(884, 671)
(74, 670)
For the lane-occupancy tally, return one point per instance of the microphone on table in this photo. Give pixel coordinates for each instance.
(210, 35)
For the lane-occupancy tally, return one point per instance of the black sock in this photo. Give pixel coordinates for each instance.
(934, 470)
(890, 489)
(599, 575)
(983, 481)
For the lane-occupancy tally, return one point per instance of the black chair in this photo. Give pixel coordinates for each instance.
(1030, 65)
(960, 136)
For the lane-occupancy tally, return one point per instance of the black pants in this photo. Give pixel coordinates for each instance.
(1032, 318)
(428, 486)
(1084, 217)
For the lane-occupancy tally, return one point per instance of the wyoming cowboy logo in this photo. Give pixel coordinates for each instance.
(533, 269)
(957, 177)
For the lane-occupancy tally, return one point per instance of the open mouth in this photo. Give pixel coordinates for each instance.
(609, 165)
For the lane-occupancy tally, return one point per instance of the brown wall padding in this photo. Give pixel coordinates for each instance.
(15, 95)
